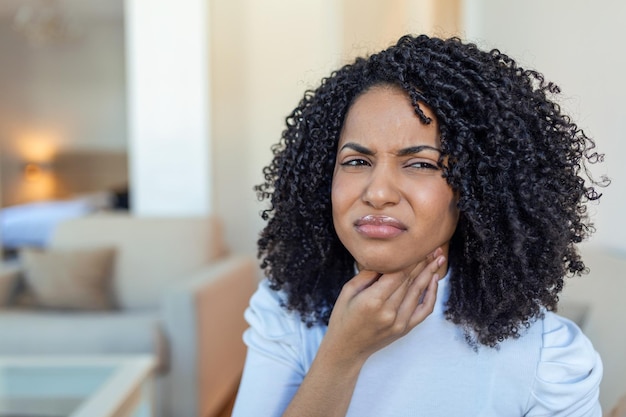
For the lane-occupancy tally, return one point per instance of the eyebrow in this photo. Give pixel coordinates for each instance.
(402, 152)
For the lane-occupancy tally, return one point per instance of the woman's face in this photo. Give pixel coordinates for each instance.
(391, 205)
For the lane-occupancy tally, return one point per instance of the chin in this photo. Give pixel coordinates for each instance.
(382, 266)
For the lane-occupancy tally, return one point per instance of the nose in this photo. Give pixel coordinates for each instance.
(382, 188)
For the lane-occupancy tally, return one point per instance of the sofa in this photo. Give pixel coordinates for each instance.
(173, 291)
(596, 302)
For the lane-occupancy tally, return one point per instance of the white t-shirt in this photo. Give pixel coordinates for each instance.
(552, 370)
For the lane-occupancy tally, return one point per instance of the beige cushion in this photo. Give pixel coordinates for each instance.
(69, 279)
(153, 253)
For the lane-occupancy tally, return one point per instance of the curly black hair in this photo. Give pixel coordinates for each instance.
(516, 162)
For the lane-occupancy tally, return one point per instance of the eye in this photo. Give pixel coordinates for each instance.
(423, 165)
(356, 162)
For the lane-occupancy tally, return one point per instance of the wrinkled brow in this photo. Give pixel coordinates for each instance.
(417, 149)
(402, 152)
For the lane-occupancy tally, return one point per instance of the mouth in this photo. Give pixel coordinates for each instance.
(379, 227)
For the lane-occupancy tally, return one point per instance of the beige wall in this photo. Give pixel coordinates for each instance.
(371, 25)
(265, 54)
(577, 44)
(63, 95)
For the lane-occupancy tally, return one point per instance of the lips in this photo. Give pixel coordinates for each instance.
(379, 227)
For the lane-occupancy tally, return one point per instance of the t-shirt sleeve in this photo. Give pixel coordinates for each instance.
(273, 370)
(569, 372)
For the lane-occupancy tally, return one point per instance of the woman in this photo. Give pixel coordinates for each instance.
(425, 206)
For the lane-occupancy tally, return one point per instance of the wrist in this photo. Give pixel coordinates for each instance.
(338, 359)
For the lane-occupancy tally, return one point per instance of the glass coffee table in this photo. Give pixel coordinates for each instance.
(66, 386)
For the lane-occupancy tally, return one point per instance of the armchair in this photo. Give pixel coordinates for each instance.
(180, 296)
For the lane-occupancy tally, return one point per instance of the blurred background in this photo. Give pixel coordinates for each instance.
(180, 101)
(169, 108)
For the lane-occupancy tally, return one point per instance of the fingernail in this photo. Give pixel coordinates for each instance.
(441, 260)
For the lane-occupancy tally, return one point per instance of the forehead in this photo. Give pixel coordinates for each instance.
(384, 115)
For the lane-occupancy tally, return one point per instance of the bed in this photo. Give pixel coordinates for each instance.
(32, 224)
(86, 182)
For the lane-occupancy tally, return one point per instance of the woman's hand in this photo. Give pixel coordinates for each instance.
(373, 310)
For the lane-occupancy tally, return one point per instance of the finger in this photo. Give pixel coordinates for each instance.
(426, 307)
(358, 283)
(391, 291)
(418, 288)
(433, 256)
(398, 290)
(431, 268)
(409, 279)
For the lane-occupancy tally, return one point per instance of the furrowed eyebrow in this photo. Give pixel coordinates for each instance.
(402, 152)
(417, 149)
(358, 148)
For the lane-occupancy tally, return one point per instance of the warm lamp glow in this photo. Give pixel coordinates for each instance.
(37, 146)
(34, 171)
(33, 179)
(39, 183)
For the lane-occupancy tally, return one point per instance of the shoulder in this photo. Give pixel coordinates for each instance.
(267, 313)
(276, 331)
(568, 373)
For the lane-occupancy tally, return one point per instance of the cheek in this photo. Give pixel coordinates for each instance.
(335, 200)
(451, 213)
(339, 194)
(341, 201)
(441, 202)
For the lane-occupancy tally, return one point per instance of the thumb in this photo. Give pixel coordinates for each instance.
(359, 282)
